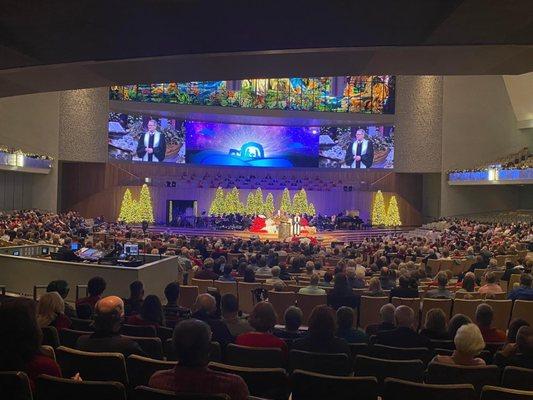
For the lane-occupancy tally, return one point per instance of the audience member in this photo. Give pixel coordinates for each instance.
(404, 334)
(206, 272)
(327, 279)
(65, 253)
(455, 323)
(95, 288)
(230, 316)
(249, 275)
(513, 328)
(275, 279)
(321, 337)
(313, 286)
(386, 313)
(108, 317)
(173, 312)
(345, 327)
(491, 286)
(262, 319)
(192, 341)
(21, 337)
(293, 320)
(441, 292)
(132, 305)
(342, 294)
(519, 354)
(468, 344)
(374, 288)
(404, 290)
(484, 316)
(226, 276)
(468, 284)
(51, 311)
(205, 309)
(435, 325)
(61, 286)
(524, 291)
(150, 314)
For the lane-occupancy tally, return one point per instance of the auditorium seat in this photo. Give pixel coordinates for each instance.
(434, 266)
(48, 351)
(15, 385)
(79, 324)
(500, 393)
(246, 299)
(469, 295)
(413, 303)
(215, 352)
(307, 302)
(442, 344)
(226, 287)
(493, 347)
(188, 295)
(202, 284)
(444, 304)
(150, 345)
(411, 370)
(307, 385)
(147, 393)
(138, 330)
(164, 333)
(92, 366)
(369, 310)
(50, 336)
(140, 369)
(523, 309)
(397, 389)
(53, 388)
(398, 353)
(269, 383)
(324, 363)
(69, 337)
(254, 357)
(517, 378)
(474, 375)
(502, 313)
(466, 307)
(281, 301)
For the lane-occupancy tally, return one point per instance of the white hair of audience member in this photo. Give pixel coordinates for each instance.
(468, 340)
(275, 271)
(350, 272)
(360, 272)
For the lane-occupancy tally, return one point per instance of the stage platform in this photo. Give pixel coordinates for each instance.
(325, 237)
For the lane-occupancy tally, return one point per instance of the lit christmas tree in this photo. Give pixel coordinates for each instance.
(217, 205)
(299, 202)
(286, 205)
(269, 205)
(258, 201)
(145, 211)
(378, 210)
(232, 203)
(250, 206)
(311, 209)
(393, 214)
(127, 208)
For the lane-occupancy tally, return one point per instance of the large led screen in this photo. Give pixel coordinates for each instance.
(144, 138)
(251, 145)
(357, 147)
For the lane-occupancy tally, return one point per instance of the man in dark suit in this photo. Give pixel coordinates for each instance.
(65, 253)
(108, 316)
(519, 354)
(360, 152)
(404, 335)
(404, 290)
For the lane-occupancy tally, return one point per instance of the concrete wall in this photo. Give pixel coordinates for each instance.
(478, 125)
(69, 125)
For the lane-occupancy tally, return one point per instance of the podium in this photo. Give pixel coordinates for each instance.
(284, 230)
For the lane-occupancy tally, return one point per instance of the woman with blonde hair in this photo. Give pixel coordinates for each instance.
(374, 288)
(51, 311)
(468, 344)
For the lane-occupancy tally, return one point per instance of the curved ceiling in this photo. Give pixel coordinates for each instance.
(62, 44)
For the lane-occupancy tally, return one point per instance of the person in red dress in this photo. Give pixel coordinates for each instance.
(263, 319)
(484, 317)
(20, 342)
(192, 339)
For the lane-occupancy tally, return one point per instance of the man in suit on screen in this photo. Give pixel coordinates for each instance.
(152, 145)
(360, 152)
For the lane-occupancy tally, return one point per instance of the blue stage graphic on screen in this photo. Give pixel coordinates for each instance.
(209, 143)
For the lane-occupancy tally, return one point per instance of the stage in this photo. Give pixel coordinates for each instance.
(325, 237)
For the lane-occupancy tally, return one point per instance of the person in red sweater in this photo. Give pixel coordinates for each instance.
(151, 313)
(51, 311)
(484, 316)
(263, 319)
(20, 339)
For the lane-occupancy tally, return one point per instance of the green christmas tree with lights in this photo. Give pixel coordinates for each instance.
(378, 210)
(217, 205)
(127, 208)
(232, 202)
(268, 207)
(250, 204)
(311, 209)
(145, 211)
(299, 202)
(286, 205)
(393, 214)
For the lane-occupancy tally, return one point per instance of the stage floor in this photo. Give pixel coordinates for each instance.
(325, 237)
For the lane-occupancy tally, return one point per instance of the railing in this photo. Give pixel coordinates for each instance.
(492, 176)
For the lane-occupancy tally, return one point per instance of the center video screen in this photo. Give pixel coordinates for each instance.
(210, 143)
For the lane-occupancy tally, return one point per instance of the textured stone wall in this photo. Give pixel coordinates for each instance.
(418, 124)
(83, 116)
